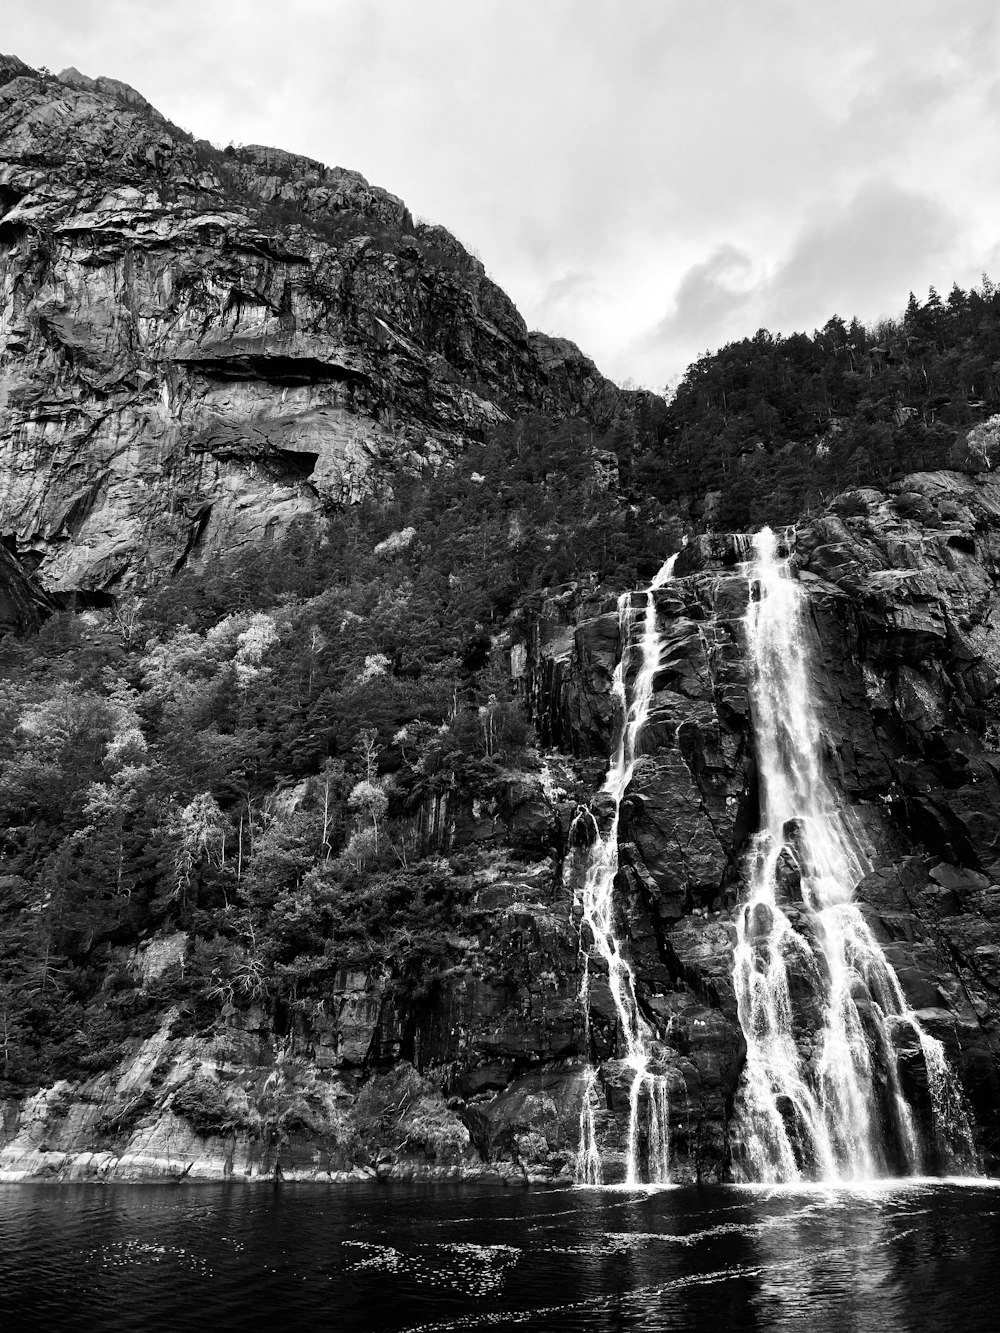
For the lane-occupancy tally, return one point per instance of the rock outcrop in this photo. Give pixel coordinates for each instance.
(903, 588)
(23, 604)
(199, 346)
(490, 1072)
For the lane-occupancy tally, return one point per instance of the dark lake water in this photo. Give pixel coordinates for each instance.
(903, 1257)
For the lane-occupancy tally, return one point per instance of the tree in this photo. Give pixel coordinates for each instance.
(980, 449)
(199, 830)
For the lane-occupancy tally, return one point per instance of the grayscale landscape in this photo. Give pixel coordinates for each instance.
(499, 826)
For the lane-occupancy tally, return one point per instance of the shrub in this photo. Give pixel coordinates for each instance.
(205, 1106)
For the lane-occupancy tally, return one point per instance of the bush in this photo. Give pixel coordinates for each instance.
(205, 1106)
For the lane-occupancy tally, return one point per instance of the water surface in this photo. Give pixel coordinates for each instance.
(907, 1256)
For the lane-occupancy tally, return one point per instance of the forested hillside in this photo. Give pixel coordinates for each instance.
(772, 426)
(243, 752)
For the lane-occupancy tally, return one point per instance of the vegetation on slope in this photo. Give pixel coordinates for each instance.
(771, 426)
(244, 756)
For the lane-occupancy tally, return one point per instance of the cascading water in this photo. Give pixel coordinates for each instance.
(825, 1020)
(599, 915)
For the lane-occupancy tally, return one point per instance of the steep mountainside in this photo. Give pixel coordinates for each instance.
(260, 1056)
(199, 346)
(295, 846)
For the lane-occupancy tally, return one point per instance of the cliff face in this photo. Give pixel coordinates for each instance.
(198, 346)
(905, 595)
(903, 590)
(491, 1074)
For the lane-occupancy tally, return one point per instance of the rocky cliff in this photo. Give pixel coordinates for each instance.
(198, 346)
(903, 591)
(903, 588)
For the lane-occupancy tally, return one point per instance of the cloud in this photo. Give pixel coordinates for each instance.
(564, 298)
(863, 256)
(709, 296)
(858, 256)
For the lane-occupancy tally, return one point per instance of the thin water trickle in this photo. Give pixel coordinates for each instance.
(648, 1092)
(824, 1017)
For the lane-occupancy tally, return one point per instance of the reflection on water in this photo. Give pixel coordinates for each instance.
(904, 1256)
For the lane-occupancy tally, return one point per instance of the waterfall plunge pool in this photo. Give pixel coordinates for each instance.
(893, 1255)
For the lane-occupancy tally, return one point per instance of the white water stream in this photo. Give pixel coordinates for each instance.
(599, 914)
(824, 1017)
(829, 1034)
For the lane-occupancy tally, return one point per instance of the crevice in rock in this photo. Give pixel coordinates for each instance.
(9, 198)
(285, 370)
(290, 465)
(195, 535)
(11, 232)
(83, 599)
(79, 509)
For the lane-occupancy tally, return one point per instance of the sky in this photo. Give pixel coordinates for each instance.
(650, 178)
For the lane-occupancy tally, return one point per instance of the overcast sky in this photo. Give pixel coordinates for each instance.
(647, 177)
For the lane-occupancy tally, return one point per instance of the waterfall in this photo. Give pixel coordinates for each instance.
(648, 1089)
(828, 1031)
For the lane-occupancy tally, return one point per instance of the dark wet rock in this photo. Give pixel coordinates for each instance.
(903, 591)
(788, 877)
(572, 660)
(533, 1121)
(23, 604)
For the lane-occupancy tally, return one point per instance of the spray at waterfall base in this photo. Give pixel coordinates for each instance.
(840, 1081)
